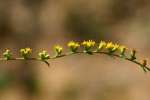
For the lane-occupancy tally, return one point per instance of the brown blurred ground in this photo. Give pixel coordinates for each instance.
(43, 23)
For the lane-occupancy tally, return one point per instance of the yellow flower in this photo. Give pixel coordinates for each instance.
(7, 54)
(58, 49)
(25, 52)
(88, 44)
(102, 45)
(44, 55)
(110, 45)
(73, 46)
(116, 46)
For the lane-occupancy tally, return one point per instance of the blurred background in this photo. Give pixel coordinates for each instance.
(43, 23)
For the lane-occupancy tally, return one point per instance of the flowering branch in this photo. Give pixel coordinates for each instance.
(90, 47)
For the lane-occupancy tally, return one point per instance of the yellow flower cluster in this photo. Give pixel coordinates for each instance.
(88, 45)
(112, 47)
(25, 52)
(73, 46)
(58, 49)
(44, 55)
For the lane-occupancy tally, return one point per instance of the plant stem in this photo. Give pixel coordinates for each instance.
(145, 68)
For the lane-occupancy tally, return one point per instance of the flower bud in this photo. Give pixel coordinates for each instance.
(133, 54)
(102, 45)
(7, 54)
(144, 62)
(58, 49)
(44, 55)
(122, 50)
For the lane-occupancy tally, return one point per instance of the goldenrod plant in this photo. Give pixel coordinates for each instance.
(87, 47)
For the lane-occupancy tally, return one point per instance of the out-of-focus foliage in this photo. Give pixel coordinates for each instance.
(42, 23)
(85, 25)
